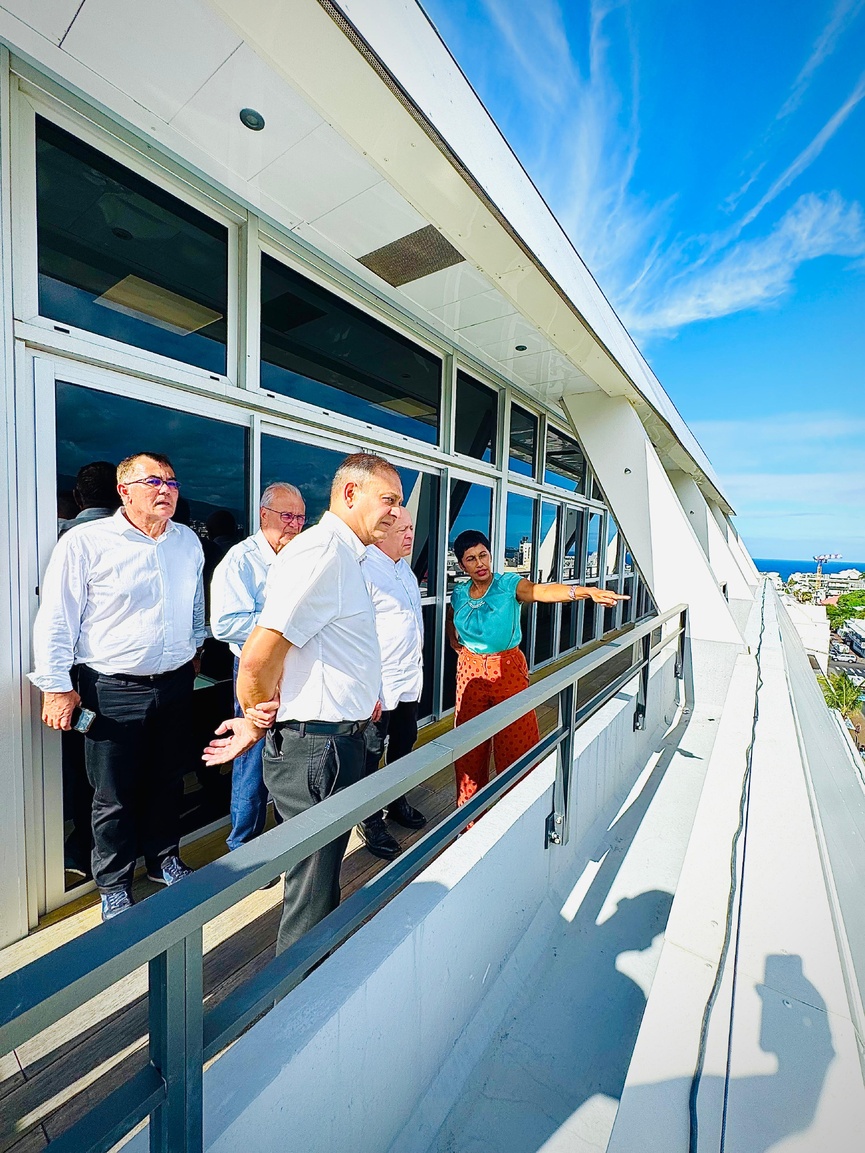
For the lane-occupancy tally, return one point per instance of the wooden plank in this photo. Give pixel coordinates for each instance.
(33, 1142)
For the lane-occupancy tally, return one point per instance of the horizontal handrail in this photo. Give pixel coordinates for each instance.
(48, 988)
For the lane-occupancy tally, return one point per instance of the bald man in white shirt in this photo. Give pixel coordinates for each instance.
(315, 648)
(399, 625)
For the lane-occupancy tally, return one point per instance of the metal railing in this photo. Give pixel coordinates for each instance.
(165, 932)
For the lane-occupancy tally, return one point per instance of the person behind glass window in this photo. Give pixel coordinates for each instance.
(483, 627)
(313, 661)
(399, 624)
(123, 603)
(95, 494)
(236, 600)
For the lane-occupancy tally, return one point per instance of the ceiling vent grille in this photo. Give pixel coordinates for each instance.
(411, 257)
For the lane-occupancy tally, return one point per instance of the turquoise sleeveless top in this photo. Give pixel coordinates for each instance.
(492, 623)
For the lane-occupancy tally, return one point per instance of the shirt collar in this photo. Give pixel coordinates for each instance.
(339, 528)
(264, 546)
(126, 527)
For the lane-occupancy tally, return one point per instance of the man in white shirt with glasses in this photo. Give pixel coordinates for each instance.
(236, 601)
(399, 625)
(123, 601)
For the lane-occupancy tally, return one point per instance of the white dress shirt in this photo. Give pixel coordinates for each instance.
(119, 601)
(237, 590)
(316, 597)
(399, 625)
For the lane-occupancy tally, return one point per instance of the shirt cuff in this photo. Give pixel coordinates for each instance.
(51, 682)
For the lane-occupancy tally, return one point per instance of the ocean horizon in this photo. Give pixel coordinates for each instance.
(787, 567)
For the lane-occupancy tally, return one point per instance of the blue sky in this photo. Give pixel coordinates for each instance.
(708, 162)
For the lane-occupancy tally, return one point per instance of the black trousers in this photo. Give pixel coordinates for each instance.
(300, 771)
(396, 729)
(136, 753)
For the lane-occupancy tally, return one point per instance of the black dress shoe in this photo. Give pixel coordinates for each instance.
(403, 813)
(377, 839)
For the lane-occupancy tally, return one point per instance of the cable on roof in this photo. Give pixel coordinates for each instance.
(741, 833)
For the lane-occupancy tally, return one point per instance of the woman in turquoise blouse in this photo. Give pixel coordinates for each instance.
(483, 627)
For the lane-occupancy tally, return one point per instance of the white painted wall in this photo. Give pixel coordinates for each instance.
(366, 1047)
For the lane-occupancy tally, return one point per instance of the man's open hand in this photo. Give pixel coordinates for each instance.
(243, 734)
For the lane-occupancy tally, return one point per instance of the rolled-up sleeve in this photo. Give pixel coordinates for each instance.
(58, 621)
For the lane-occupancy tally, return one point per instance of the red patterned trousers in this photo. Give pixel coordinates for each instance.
(481, 683)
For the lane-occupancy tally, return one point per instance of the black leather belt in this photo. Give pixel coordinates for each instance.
(324, 728)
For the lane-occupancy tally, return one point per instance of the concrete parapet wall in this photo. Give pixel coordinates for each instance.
(370, 1052)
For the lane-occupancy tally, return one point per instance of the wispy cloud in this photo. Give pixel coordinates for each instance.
(754, 273)
(843, 15)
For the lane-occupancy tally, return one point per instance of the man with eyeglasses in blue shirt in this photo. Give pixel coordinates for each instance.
(123, 602)
(236, 601)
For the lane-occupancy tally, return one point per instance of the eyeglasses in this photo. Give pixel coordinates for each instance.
(297, 518)
(156, 482)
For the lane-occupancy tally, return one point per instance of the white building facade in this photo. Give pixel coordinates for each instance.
(282, 233)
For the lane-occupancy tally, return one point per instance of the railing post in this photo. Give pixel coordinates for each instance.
(680, 650)
(176, 1012)
(643, 684)
(557, 822)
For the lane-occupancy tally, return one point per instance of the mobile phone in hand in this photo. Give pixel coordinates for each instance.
(82, 719)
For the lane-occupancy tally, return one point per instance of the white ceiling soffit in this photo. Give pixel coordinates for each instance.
(403, 102)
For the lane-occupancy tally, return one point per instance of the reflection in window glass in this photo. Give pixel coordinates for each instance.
(547, 570)
(421, 497)
(593, 546)
(590, 619)
(320, 349)
(476, 421)
(565, 464)
(470, 507)
(613, 557)
(570, 572)
(210, 460)
(596, 490)
(425, 707)
(309, 466)
(523, 449)
(120, 257)
(519, 534)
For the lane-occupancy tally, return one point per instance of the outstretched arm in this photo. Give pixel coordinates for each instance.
(529, 592)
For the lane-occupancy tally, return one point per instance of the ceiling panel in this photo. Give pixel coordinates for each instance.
(500, 338)
(370, 220)
(50, 17)
(317, 175)
(478, 309)
(145, 49)
(447, 286)
(212, 117)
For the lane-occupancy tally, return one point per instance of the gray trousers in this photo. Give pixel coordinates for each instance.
(300, 771)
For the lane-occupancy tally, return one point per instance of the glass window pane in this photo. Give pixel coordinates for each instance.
(309, 466)
(593, 546)
(614, 539)
(320, 349)
(546, 570)
(420, 492)
(121, 257)
(425, 707)
(519, 532)
(470, 507)
(523, 449)
(210, 458)
(565, 464)
(590, 621)
(573, 540)
(596, 490)
(477, 417)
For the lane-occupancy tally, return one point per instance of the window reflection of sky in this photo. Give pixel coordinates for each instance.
(519, 520)
(209, 456)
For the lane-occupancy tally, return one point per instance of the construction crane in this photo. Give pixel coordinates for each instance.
(820, 562)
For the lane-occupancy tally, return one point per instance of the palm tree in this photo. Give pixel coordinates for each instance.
(841, 693)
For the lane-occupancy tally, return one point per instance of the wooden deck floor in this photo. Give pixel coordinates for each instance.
(49, 1082)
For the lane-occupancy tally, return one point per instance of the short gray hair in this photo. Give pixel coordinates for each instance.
(360, 467)
(278, 486)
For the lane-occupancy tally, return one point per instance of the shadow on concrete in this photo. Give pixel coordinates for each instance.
(761, 1110)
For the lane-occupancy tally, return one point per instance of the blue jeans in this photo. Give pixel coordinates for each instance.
(249, 795)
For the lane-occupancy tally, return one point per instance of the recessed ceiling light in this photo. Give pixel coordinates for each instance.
(521, 347)
(251, 119)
